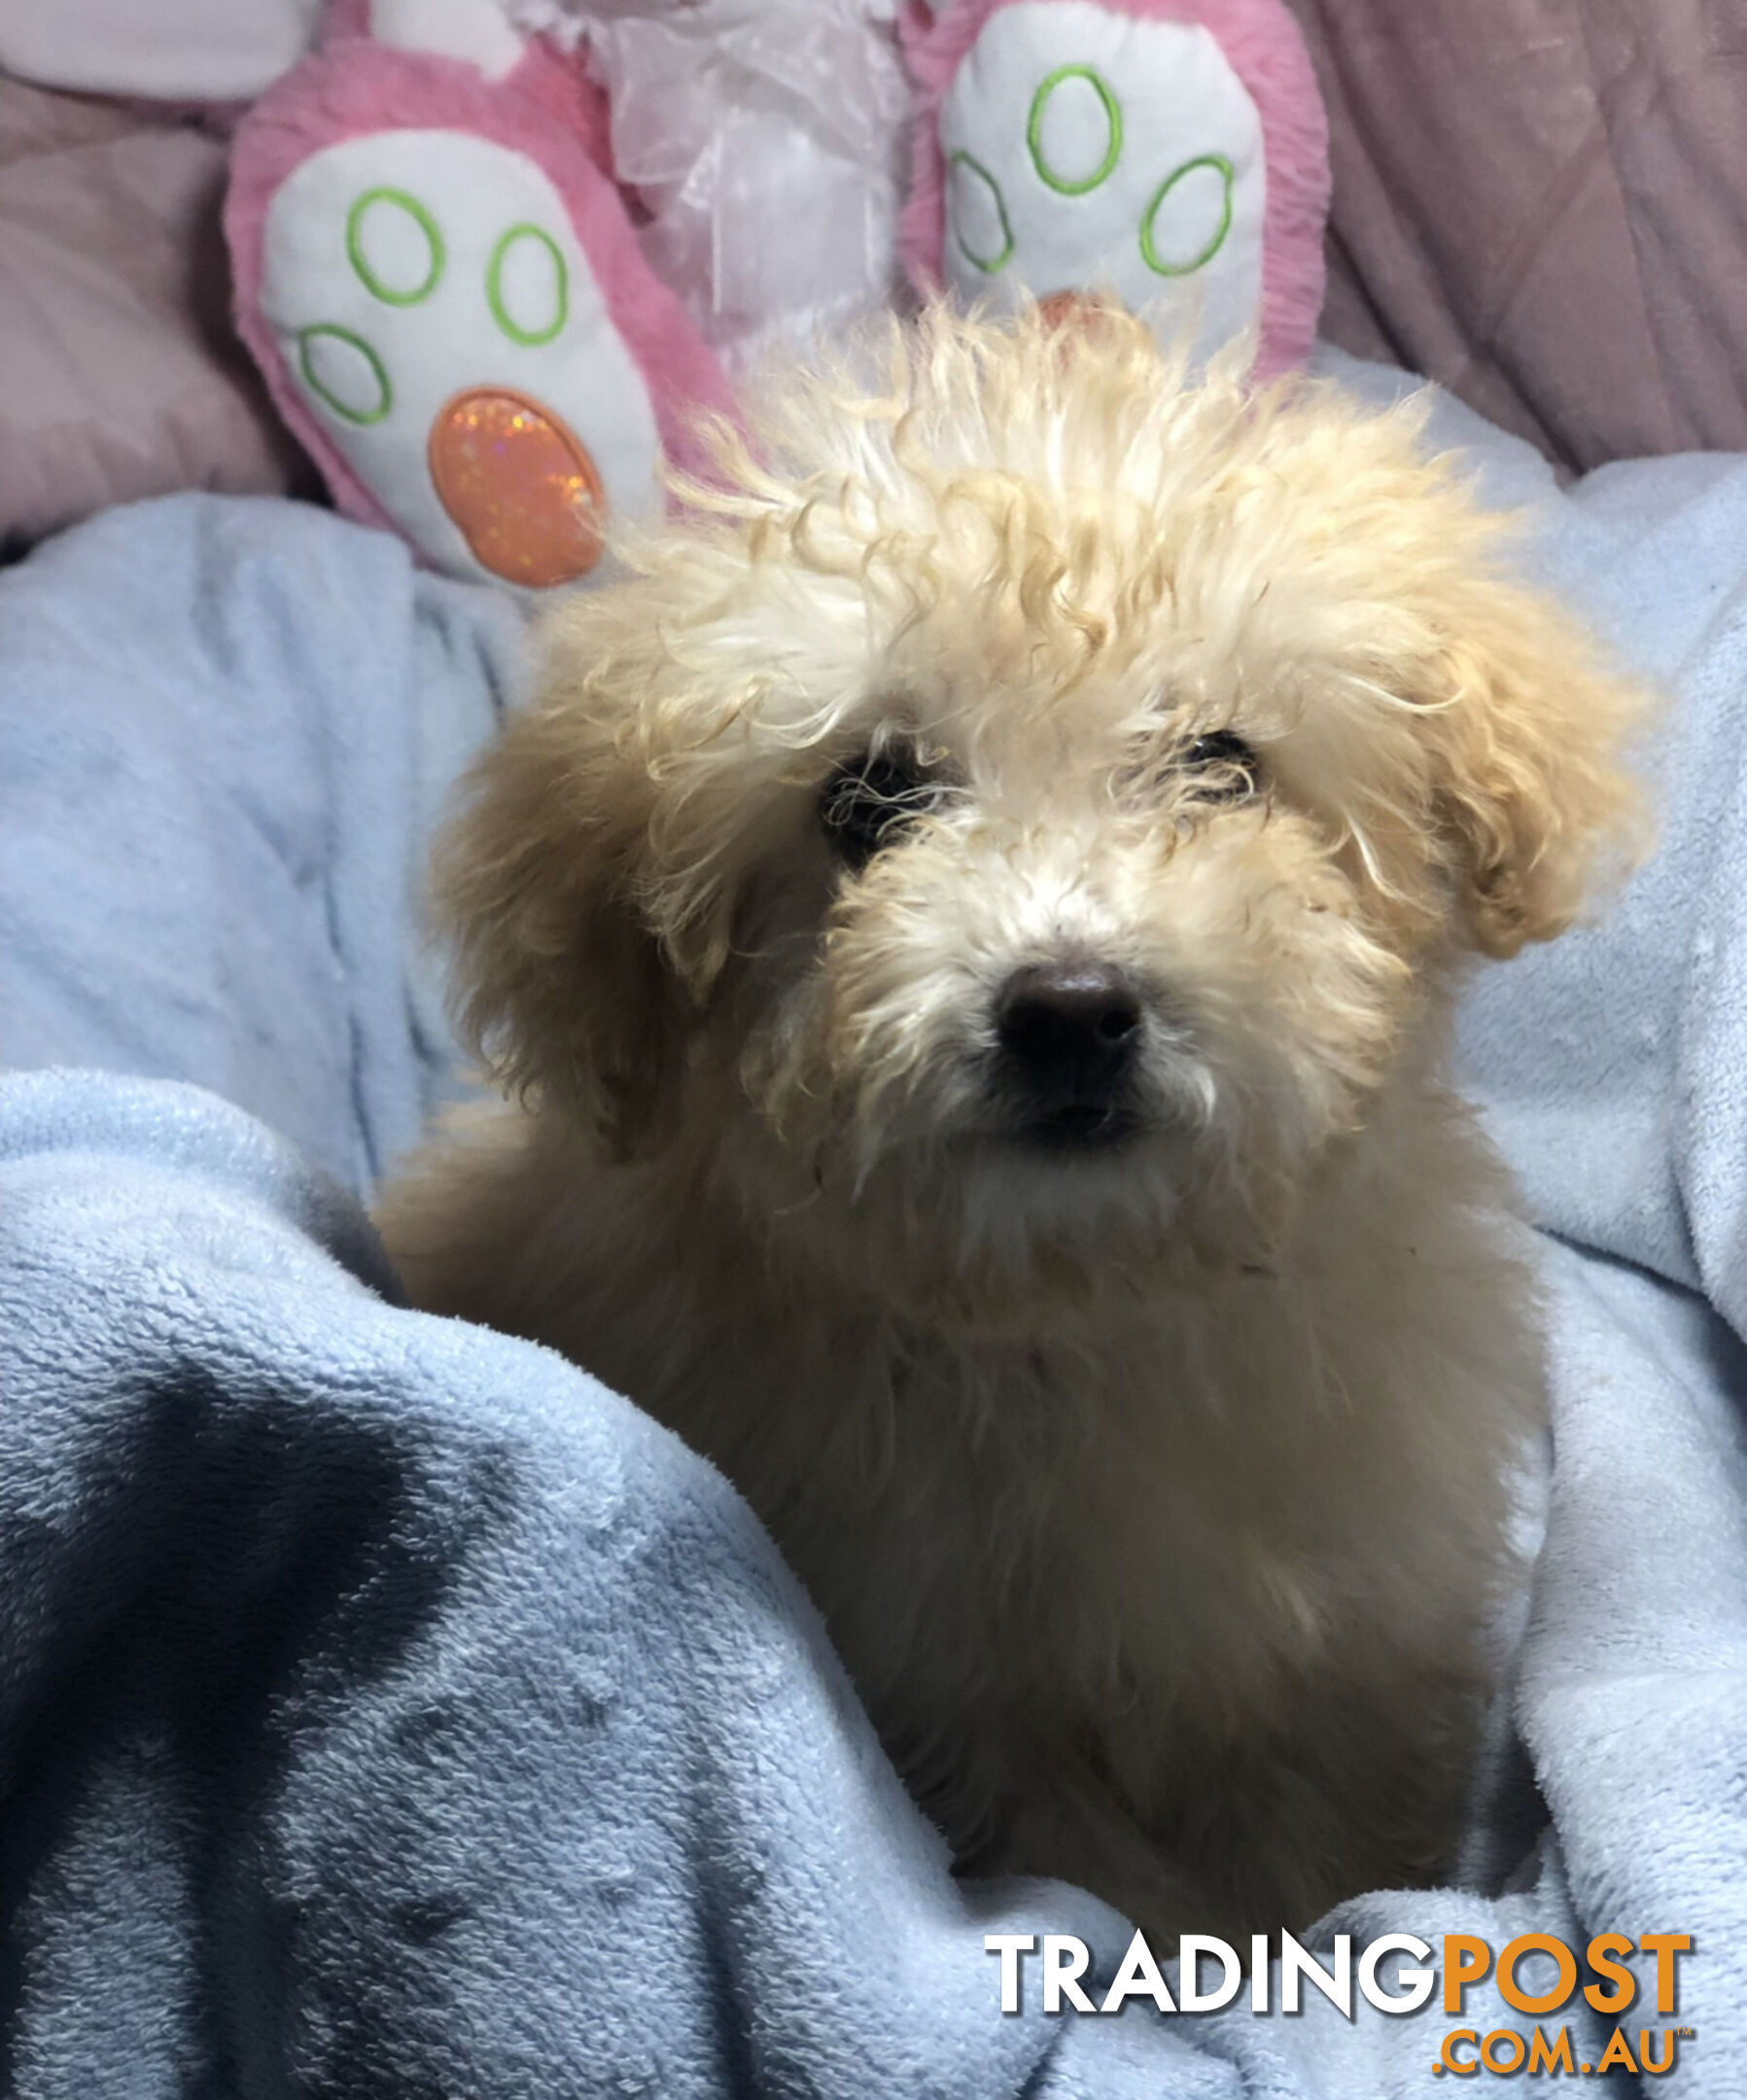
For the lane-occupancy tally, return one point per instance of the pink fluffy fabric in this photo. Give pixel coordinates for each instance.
(1266, 51)
(546, 110)
(559, 82)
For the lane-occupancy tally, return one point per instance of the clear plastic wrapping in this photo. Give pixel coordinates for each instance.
(764, 139)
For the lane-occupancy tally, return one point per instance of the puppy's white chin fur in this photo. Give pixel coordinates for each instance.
(982, 1220)
(955, 1209)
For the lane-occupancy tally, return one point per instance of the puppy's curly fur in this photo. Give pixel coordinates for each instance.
(1136, 1383)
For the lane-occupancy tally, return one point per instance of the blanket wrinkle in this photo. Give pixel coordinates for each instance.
(228, 725)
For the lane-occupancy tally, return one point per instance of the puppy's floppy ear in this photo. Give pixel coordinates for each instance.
(1532, 797)
(562, 986)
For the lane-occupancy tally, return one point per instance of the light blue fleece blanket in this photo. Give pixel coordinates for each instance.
(385, 1709)
(223, 728)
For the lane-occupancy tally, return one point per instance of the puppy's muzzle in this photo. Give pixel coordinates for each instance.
(1069, 1034)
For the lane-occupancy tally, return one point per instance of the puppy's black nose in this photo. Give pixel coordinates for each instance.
(1071, 1029)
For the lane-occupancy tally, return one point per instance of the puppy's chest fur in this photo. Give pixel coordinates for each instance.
(1165, 1563)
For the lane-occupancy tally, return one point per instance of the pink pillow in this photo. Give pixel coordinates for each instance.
(123, 375)
(1544, 207)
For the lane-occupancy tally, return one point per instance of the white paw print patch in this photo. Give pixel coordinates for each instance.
(438, 316)
(1088, 150)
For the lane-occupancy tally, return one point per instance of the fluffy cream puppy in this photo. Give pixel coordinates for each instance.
(971, 924)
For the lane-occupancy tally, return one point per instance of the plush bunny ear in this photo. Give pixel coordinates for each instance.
(1533, 795)
(445, 291)
(562, 986)
(1171, 154)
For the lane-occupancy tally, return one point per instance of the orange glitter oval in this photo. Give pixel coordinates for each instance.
(520, 484)
(1070, 310)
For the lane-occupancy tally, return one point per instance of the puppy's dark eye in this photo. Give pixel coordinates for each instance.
(865, 802)
(1226, 768)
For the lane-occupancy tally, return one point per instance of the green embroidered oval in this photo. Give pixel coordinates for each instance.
(343, 371)
(550, 300)
(993, 259)
(1149, 254)
(408, 210)
(1067, 185)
